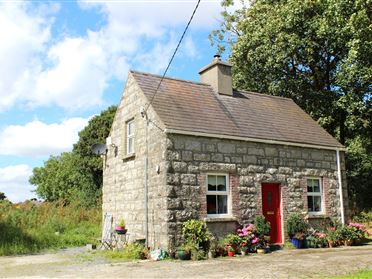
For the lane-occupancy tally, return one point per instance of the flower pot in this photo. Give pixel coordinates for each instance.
(120, 230)
(348, 242)
(243, 252)
(183, 255)
(261, 251)
(230, 253)
(331, 244)
(299, 244)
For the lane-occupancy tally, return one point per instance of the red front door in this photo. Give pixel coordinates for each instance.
(271, 210)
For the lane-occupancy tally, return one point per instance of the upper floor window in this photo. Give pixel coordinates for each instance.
(130, 137)
(217, 194)
(314, 195)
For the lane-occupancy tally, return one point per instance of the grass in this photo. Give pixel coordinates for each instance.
(361, 274)
(29, 228)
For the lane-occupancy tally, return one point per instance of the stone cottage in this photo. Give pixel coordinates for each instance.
(205, 151)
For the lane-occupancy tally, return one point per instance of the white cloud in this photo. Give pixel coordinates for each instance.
(73, 72)
(38, 139)
(14, 182)
(22, 38)
(78, 77)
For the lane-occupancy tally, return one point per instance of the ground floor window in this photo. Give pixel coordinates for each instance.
(314, 195)
(217, 194)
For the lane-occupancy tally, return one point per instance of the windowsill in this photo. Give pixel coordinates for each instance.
(210, 219)
(317, 216)
(129, 157)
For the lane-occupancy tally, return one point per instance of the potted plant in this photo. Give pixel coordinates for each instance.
(243, 248)
(246, 234)
(263, 233)
(230, 251)
(231, 242)
(213, 248)
(332, 238)
(359, 232)
(120, 228)
(184, 252)
(296, 227)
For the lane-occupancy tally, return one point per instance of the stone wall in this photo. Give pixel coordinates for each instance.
(248, 164)
(123, 177)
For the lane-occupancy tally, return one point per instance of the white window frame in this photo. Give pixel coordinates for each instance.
(219, 193)
(316, 194)
(130, 136)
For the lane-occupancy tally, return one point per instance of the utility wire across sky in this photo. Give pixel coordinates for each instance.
(174, 54)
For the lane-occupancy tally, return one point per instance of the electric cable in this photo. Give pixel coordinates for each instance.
(174, 53)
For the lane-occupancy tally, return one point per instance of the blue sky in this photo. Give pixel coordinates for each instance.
(64, 61)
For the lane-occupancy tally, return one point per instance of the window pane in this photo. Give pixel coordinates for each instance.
(130, 145)
(130, 128)
(221, 183)
(211, 204)
(316, 186)
(212, 183)
(222, 204)
(309, 185)
(310, 203)
(317, 204)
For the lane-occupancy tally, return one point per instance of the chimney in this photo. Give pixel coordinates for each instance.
(218, 75)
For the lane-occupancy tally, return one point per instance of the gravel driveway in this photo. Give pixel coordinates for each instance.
(77, 263)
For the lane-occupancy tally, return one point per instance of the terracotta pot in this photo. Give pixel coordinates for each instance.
(331, 244)
(348, 242)
(230, 253)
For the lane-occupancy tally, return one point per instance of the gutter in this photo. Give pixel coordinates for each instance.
(200, 134)
(340, 186)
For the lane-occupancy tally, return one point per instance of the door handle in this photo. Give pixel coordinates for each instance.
(270, 212)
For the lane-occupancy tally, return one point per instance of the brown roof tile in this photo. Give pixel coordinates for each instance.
(195, 107)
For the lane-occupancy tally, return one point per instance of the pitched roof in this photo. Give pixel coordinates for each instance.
(195, 107)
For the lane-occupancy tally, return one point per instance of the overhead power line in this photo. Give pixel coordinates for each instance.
(174, 54)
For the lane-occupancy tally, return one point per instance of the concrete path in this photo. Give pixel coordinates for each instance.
(309, 263)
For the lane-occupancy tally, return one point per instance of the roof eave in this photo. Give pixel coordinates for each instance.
(277, 142)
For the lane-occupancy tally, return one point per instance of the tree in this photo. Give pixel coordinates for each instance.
(316, 52)
(63, 178)
(76, 175)
(2, 196)
(96, 131)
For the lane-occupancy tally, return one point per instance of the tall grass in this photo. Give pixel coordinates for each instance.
(29, 227)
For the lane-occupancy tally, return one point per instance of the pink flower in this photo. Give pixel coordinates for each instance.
(255, 240)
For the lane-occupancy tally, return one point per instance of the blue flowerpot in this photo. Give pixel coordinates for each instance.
(299, 244)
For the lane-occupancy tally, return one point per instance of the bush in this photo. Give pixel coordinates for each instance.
(262, 226)
(296, 224)
(363, 217)
(195, 232)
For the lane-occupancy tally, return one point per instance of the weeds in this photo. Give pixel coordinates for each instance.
(29, 227)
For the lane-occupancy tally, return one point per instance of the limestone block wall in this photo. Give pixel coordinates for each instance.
(249, 165)
(123, 177)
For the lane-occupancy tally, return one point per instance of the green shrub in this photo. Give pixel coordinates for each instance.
(196, 233)
(134, 251)
(262, 226)
(296, 224)
(363, 217)
(231, 240)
